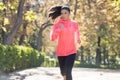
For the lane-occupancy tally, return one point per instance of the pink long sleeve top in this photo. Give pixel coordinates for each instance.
(66, 37)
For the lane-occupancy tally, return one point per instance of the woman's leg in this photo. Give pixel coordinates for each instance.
(69, 65)
(66, 65)
(62, 62)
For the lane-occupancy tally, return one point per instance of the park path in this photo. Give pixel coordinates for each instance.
(41, 73)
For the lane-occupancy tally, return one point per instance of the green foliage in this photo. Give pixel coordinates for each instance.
(2, 6)
(30, 16)
(49, 62)
(116, 3)
(76, 63)
(19, 57)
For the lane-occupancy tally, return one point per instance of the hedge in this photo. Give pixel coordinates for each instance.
(19, 57)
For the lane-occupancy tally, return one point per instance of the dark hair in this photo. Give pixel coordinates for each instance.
(56, 11)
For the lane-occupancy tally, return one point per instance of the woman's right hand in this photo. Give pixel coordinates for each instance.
(61, 26)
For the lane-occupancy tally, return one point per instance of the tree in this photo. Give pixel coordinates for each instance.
(8, 40)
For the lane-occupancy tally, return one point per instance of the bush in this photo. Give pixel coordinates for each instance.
(49, 62)
(76, 63)
(19, 57)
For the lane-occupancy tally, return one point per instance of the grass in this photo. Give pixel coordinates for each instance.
(114, 67)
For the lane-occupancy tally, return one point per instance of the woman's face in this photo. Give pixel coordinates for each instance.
(65, 14)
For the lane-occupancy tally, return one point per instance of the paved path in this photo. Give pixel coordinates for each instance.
(41, 73)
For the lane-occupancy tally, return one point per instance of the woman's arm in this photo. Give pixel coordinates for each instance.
(54, 33)
(78, 34)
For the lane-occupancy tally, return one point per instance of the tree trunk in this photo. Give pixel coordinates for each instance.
(82, 54)
(39, 41)
(98, 52)
(83, 8)
(75, 8)
(88, 51)
(3, 32)
(98, 56)
(105, 54)
(41, 29)
(17, 25)
(21, 41)
(89, 4)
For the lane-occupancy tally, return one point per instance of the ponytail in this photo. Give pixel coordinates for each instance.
(56, 11)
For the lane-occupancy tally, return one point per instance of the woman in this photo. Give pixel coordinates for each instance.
(66, 32)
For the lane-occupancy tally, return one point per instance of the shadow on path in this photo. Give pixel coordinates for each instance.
(41, 73)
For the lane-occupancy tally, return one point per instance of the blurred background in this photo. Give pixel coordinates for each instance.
(25, 33)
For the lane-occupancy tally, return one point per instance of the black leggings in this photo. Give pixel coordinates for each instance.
(66, 65)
